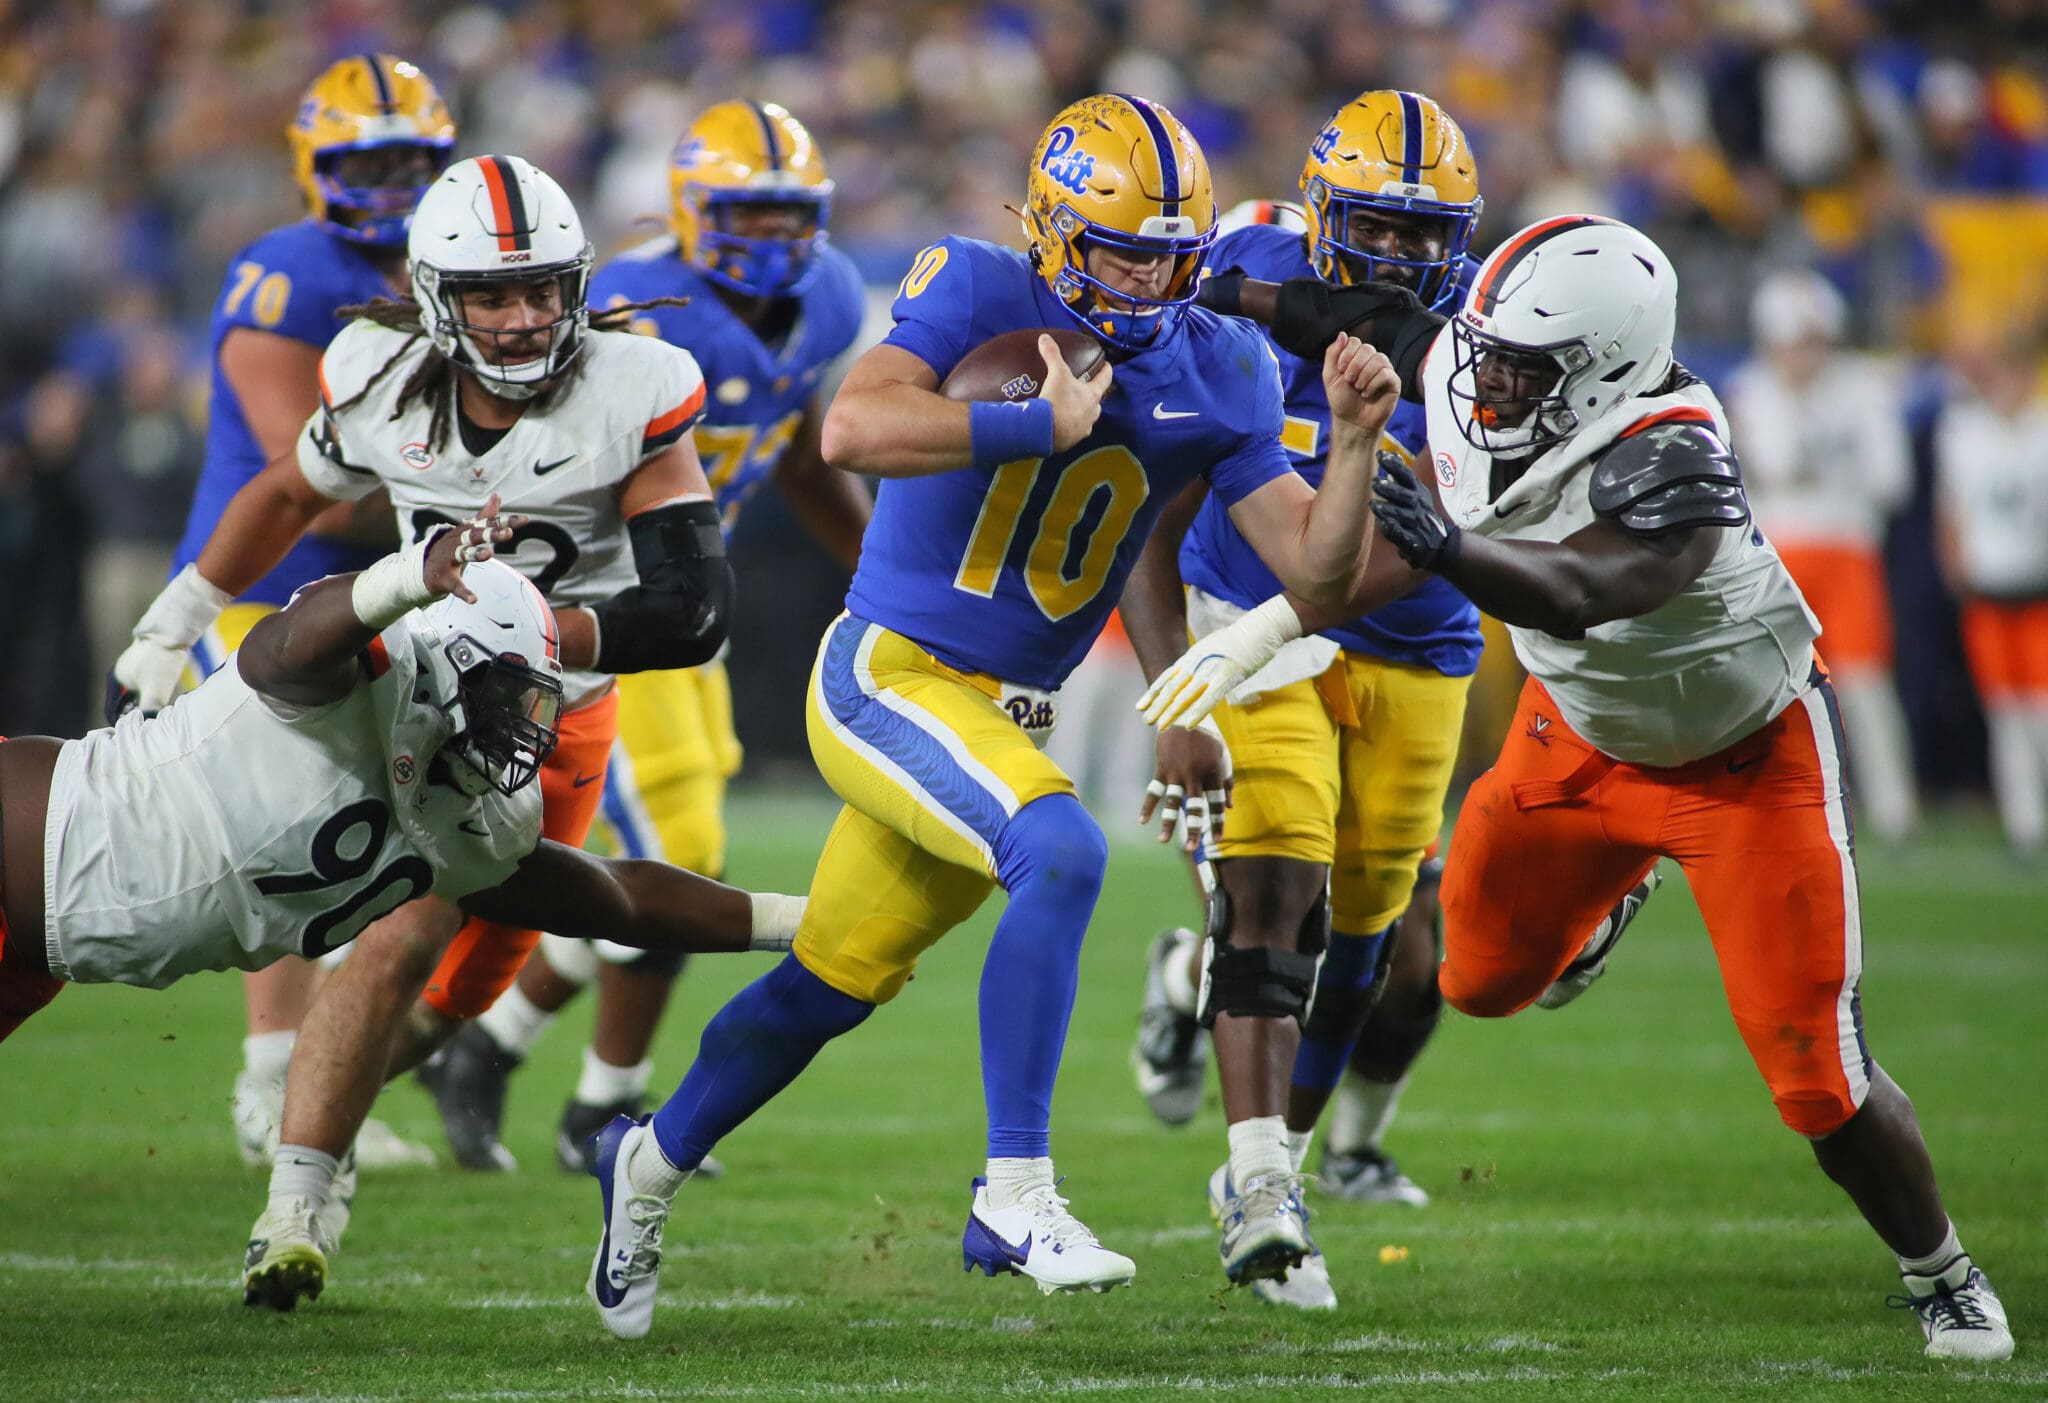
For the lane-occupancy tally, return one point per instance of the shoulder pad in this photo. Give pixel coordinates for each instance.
(1667, 478)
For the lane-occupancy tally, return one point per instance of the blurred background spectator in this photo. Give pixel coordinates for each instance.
(1897, 147)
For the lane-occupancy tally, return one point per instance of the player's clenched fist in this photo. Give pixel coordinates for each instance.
(1076, 404)
(1361, 383)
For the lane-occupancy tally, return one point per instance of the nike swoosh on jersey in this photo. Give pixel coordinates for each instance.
(541, 469)
(1160, 411)
(581, 780)
(467, 827)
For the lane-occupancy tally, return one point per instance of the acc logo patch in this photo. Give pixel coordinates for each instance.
(1446, 470)
(403, 770)
(417, 456)
(1062, 164)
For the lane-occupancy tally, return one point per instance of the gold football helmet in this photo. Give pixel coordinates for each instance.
(749, 154)
(1398, 156)
(1120, 173)
(370, 137)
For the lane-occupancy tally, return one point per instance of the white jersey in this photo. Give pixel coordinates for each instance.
(1991, 471)
(561, 464)
(1827, 463)
(1706, 668)
(229, 830)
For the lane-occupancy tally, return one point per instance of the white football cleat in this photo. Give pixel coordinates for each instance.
(623, 1274)
(1591, 961)
(1038, 1238)
(378, 1146)
(1306, 1287)
(1960, 1314)
(1265, 1225)
(287, 1256)
(258, 1109)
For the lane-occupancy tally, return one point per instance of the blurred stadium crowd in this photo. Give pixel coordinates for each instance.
(1900, 149)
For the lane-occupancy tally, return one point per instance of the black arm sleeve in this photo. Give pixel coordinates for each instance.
(1668, 478)
(677, 615)
(1310, 313)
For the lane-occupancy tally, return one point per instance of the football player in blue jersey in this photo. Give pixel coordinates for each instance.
(1343, 750)
(369, 137)
(1000, 541)
(754, 290)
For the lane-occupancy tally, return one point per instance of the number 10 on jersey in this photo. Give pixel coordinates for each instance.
(1059, 583)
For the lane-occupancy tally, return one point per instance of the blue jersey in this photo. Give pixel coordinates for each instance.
(757, 392)
(1013, 570)
(290, 282)
(1433, 626)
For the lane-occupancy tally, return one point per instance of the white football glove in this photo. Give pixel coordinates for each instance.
(1200, 679)
(152, 666)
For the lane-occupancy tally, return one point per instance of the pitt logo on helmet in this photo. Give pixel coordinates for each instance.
(750, 199)
(370, 136)
(1119, 174)
(1392, 195)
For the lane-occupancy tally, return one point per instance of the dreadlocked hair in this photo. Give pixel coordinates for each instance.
(434, 381)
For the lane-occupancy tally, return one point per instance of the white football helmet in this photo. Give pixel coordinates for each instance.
(1583, 307)
(499, 219)
(495, 669)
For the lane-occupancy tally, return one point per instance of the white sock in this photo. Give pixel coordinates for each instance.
(1178, 976)
(297, 1171)
(1010, 1179)
(650, 1173)
(267, 1055)
(1257, 1147)
(515, 1022)
(1298, 1142)
(1364, 1111)
(602, 1084)
(1937, 1262)
(2017, 778)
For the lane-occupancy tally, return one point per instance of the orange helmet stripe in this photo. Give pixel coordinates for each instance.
(1487, 292)
(508, 206)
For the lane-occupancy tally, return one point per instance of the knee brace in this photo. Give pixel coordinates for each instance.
(1260, 982)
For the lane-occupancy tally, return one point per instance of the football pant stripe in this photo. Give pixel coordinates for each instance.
(1825, 719)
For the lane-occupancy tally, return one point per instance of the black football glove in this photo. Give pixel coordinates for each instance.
(119, 700)
(1409, 518)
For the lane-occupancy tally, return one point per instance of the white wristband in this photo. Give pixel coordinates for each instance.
(775, 920)
(185, 609)
(395, 585)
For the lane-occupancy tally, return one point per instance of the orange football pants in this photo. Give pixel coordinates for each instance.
(486, 957)
(1556, 833)
(1844, 586)
(2007, 645)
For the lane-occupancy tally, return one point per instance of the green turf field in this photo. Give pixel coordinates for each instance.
(1618, 1213)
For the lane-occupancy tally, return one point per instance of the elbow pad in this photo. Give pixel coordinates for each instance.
(678, 614)
(1669, 478)
(1310, 312)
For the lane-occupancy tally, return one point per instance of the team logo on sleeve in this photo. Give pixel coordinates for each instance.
(416, 456)
(403, 770)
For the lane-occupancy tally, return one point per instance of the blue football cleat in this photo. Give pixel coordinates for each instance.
(623, 1274)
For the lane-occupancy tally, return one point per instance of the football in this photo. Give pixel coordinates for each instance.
(1009, 366)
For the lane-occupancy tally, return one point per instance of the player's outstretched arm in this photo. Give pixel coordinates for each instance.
(305, 654)
(1318, 541)
(1602, 572)
(1191, 768)
(647, 905)
(1306, 314)
(888, 419)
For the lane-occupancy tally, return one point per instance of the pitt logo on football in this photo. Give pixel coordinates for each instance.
(1064, 169)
